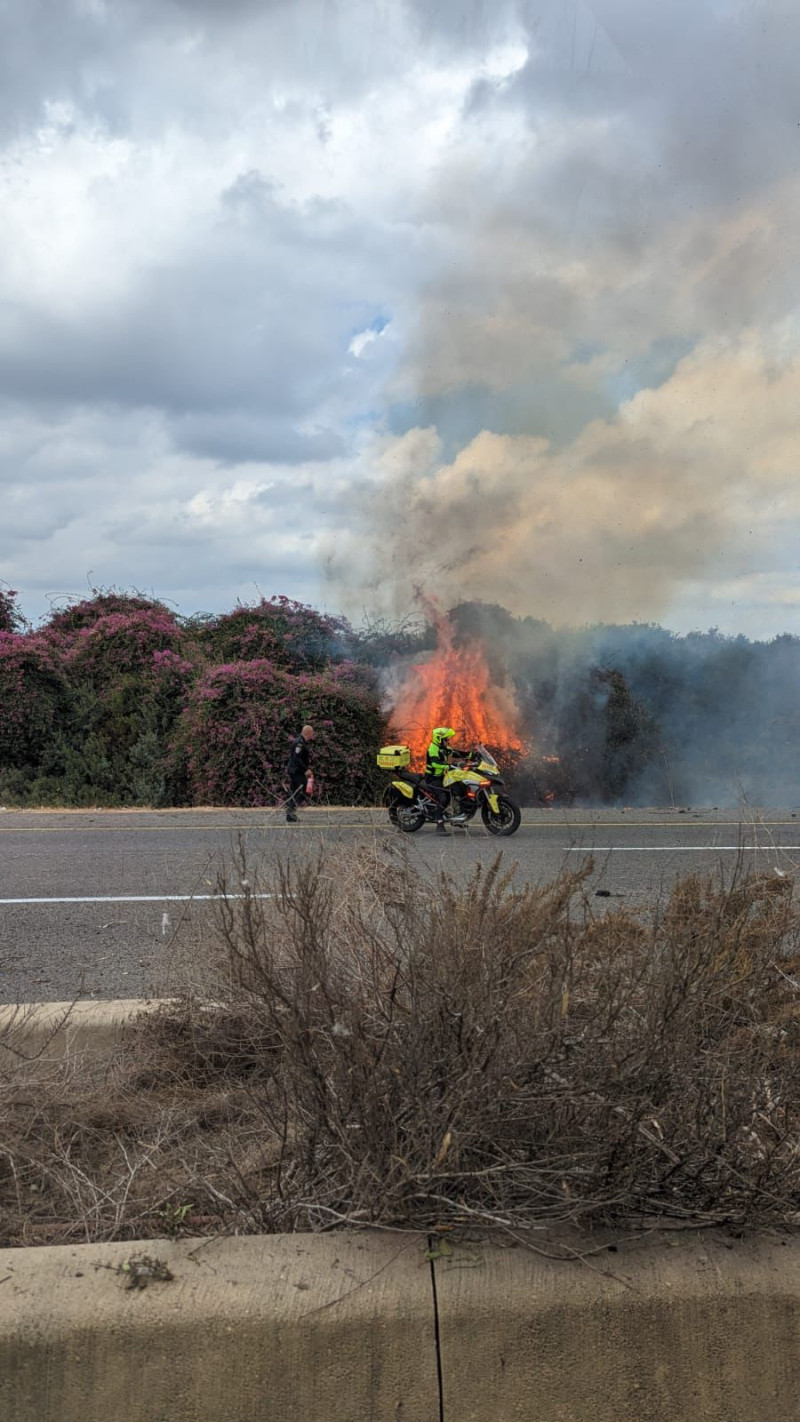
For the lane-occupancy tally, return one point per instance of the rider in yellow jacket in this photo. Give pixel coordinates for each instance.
(437, 761)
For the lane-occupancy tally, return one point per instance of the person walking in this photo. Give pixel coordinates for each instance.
(298, 769)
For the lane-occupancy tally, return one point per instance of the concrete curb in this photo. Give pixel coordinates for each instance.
(365, 1328)
(58, 1029)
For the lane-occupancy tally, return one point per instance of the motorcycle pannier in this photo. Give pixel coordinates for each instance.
(393, 757)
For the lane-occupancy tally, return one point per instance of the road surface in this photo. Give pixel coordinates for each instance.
(120, 903)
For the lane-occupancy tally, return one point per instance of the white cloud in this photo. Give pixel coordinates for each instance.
(578, 224)
(361, 341)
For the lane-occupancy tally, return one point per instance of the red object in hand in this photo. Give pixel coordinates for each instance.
(310, 784)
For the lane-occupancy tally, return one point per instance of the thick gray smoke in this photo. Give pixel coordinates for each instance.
(638, 715)
(596, 413)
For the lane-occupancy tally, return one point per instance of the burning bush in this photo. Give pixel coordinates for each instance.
(236, 732)
(457, 686)
(559, 735)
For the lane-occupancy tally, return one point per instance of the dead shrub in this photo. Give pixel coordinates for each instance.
(397, 1051)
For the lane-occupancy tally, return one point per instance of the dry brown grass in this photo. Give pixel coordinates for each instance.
(396, 1052)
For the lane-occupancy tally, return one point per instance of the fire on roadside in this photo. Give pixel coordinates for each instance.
(454, 687)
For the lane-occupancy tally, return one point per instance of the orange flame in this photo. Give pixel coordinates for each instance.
(453, 688)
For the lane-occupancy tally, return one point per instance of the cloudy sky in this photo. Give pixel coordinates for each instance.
(333, 298)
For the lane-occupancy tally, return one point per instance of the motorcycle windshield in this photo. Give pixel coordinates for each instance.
(488, 761)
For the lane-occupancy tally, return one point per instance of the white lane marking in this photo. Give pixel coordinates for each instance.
(139, 899)
(674, 848)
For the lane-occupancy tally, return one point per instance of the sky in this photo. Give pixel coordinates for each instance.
(344, 298)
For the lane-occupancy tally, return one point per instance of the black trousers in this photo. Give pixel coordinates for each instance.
(443, 796)
(297, 791)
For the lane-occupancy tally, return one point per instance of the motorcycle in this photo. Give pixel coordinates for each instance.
(474, 784)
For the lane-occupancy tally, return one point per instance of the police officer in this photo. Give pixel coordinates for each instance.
(298, 770)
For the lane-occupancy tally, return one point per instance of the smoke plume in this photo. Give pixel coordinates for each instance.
(595, 412)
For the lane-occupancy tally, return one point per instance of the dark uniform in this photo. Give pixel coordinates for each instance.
(297, 768)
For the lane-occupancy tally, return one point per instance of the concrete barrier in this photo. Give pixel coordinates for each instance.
(687, 1330)
(350, 1328)
(362, 1328)
(279, 1329)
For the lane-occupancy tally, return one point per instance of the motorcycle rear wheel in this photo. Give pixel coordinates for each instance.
(506, 822)
(391, 800)
(409, 818)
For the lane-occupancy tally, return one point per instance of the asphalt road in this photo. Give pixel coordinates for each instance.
(120, 904)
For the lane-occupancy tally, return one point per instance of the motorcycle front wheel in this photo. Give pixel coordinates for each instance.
(506, 822)
(410, 818)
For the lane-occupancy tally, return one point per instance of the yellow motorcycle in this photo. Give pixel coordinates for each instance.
(474, 784)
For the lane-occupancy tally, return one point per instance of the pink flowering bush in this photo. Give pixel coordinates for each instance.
(237, 729)
(126, 679)
(78, 616)
(125, 643)
(33, 697)
(287, 633)
(118, 701)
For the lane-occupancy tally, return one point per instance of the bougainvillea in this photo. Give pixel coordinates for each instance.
(242, 717)
(278, 630)
(33, 695)
(136, 681)
(121, 643)
(67, 621)
(118, 701)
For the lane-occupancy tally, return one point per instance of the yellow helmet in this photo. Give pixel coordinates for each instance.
(442, 733)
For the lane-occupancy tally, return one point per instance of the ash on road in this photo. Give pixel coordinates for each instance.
(116, 903)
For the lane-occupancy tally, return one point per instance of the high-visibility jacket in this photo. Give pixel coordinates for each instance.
(436, 761)
(435, 766)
